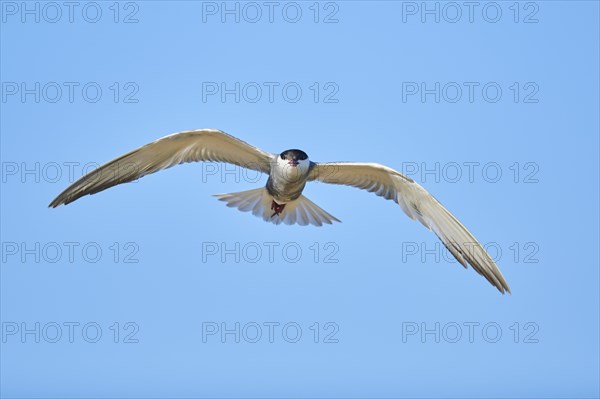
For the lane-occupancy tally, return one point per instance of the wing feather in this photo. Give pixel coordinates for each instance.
(418, 204)
(189, 146)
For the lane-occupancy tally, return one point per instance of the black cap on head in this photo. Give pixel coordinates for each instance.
(297, 155)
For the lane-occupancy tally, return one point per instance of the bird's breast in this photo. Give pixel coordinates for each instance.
(286, 184)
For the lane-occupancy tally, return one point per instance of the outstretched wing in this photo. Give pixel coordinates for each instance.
(418, 204)
(190, 146)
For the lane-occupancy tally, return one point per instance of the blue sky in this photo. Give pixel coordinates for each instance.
(156, 289)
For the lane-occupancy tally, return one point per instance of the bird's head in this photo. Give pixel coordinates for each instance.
(296, 161)
(294, 158)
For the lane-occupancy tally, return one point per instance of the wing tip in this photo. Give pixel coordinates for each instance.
(504, 288)
(56, 203)
(62, 200)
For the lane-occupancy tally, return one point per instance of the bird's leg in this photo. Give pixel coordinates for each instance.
(278, 208)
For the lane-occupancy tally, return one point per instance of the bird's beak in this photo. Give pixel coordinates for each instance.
(293, 162)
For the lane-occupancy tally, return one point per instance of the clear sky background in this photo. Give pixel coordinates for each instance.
(129, 291)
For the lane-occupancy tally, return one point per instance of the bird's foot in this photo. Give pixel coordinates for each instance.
(278, 208)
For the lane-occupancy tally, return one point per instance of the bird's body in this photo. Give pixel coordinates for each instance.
(281, 200)
(287, 179)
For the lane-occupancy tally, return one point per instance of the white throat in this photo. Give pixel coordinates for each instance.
(284, 170)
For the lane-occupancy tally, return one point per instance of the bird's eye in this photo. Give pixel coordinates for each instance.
(282, 155)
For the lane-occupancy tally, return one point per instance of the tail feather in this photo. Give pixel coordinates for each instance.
(301, 211)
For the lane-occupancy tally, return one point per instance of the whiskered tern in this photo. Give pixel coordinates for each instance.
(281, 200)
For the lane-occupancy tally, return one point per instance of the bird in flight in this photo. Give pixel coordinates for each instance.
(281, 200)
